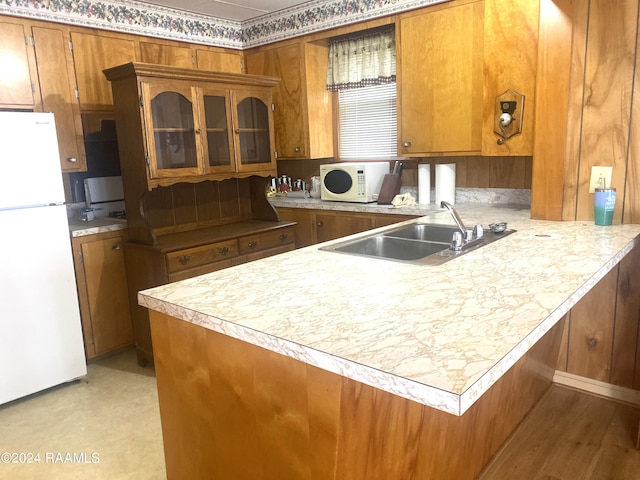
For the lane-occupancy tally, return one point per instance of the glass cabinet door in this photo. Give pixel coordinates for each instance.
(218, 137)
(172, 130)
(254, 132)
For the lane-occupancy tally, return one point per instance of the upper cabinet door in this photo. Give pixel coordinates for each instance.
(253, 131)
(92, 54)
(162, 54)
(16, 89)
(217, 137)
(218, 61)
(173, 132)
(303, 115)
(441, 62)
(57, 88)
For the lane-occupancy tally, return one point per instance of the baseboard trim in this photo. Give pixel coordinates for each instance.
(596, 387)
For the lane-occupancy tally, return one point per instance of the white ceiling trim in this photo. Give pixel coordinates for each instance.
(131, 16)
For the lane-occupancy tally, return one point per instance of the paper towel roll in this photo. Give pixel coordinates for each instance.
(424, 183)
(446, 183)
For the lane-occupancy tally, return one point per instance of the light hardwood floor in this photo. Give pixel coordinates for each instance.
(571, 435)
(109, 420)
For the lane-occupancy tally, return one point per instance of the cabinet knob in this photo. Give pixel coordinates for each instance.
(198, 131)
(223, 250)
(115, 248)
(252, 244)
(283, 237)
(406, 144)
(297, 149)
(184, 259)
(72, 159)
(320, 223)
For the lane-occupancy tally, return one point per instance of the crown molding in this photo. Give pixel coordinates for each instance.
(130, 16)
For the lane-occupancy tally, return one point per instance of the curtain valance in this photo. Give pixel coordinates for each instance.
(361, 60)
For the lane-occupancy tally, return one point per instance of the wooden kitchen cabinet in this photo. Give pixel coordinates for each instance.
(164, 54)
(37, 75)
(315, 226)
(219, 61)
(58, 90)
(188, 254)
(16, 84)
(440, 62)
(194, 124)
(102, 292)
(92, 53)
(303, 114)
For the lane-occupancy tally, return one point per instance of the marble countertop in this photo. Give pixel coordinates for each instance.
(78, 228)
(438, 335)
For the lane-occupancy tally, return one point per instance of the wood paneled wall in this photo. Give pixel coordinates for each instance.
(586, 70)
(602, 333)
(471, 171)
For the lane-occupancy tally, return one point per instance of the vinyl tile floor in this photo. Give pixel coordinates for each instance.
(103, 426)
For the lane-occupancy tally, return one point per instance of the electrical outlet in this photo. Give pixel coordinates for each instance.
(600, 177)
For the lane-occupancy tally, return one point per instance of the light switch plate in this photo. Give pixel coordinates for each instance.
(598, 173)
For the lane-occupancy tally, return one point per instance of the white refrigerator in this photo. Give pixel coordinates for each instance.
(41, 341)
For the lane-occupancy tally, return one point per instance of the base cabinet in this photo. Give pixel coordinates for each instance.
(102, 292)
(315, 226)
(189, 254)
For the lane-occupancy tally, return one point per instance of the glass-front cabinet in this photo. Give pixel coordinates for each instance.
(195, 131)
(172, 126)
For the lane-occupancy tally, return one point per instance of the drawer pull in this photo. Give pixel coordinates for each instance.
(115, 248)
(184, 259)
(252, 244)
(223, 250)
(283, 237)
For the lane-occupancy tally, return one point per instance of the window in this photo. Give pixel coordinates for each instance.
(368, 123)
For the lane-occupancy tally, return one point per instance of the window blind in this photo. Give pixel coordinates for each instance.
(368, 122)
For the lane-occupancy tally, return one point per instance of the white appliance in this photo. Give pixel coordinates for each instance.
(352, 182)
(41, 341)
(105, 196)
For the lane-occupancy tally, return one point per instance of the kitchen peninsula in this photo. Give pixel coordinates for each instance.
(314, 364)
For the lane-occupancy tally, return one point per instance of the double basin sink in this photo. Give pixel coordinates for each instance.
(418, 243)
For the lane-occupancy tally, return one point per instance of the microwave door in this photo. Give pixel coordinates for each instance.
(338, 181)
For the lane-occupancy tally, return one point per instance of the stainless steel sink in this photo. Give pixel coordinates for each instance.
(425, 232)
(417, 243)
(393, 248)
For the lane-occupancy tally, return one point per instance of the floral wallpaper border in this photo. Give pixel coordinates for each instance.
(136, 17)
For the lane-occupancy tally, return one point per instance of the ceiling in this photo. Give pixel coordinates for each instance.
(236, 10)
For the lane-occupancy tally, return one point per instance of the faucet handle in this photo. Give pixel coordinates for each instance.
(456, 241)
(478, 232)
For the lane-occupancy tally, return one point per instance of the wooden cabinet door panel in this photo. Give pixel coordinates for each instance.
(304, 228)
(15, 75)
(161, 54)
(57, 88)
(219, 61)
(288, 97)
(441, 77)
(104, 269)
(92, 54)
(332, 226)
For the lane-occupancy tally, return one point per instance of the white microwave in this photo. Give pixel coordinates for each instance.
(352, 182)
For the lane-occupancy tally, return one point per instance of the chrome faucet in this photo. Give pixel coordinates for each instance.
(465, 236)
(456, 217)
